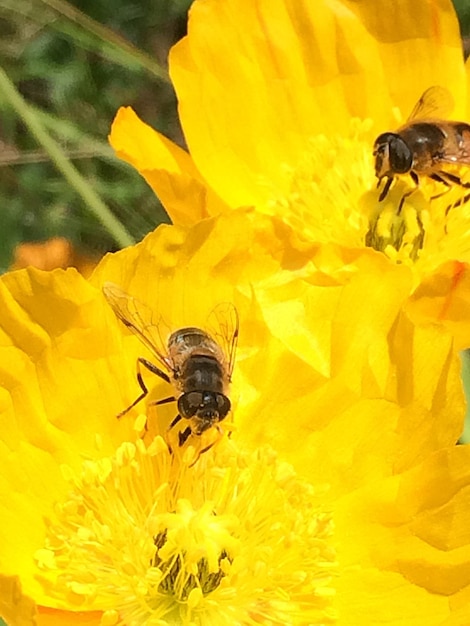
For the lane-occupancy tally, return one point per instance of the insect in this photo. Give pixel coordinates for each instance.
(424, 145)
(197, 363)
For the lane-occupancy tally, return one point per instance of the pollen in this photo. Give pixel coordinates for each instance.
(331, 195)
(236, 538)
(421, 226)
(325, 189)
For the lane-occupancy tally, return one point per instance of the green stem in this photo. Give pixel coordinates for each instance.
(57, 156)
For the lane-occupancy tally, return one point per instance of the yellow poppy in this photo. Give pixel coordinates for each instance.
(340, 496)
(280, 104)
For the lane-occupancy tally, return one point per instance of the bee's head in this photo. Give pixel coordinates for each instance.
(206, 408)
(392, 155)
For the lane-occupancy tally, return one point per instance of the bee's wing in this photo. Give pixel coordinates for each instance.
(222, 325)
(436, 102)
(139, 319)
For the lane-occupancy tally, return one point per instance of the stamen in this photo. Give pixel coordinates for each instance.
(235, 539)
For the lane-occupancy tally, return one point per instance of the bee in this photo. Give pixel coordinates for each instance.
(424, 145)
(193, 361)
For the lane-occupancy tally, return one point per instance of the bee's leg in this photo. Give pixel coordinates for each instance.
(221, 434)
(407, 194)
(463, 200)
(386, 189)
(164, 400)
(183, 437)
(173, 423)
(152, 368)
(440, 179)
(450, 179)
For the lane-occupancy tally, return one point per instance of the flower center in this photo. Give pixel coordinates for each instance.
(331, 196)
(323, 197)
(177, 579)
(148, 538)
(399, 235)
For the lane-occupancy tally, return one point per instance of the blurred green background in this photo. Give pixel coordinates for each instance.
(75, 64)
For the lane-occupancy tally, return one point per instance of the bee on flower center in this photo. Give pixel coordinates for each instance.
(198, 364)
(424, 146)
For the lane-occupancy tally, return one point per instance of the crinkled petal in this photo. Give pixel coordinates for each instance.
(418, 47)
(16, 608)
(59, 397)
(443, 297)
(405, 546)
(166, 167)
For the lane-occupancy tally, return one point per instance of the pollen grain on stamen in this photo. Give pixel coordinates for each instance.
(234, 539)
(324, 189)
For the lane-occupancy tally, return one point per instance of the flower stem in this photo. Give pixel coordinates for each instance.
(67, 169)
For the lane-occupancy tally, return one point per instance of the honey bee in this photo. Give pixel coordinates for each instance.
(424, 145)
(193, 361)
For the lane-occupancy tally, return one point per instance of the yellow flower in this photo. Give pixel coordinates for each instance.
(340, 496)
(281, 102)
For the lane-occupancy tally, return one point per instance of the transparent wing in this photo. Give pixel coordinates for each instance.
(140, 320)
(222, 325)
(435, 103)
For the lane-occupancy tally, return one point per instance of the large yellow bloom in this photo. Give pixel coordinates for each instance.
(340, 497)
(280, 102)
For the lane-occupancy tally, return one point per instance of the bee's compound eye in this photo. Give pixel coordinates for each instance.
(189, 403)
(400, 156)
(392, 155)
(223, 405)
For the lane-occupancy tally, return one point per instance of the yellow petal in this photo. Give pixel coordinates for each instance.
(166, 167)
(256, 80)
(51, 617)
(406, 545)
(15, 608)
(59, 398)
(444, 298)
(418, 48)
(18, 609)
(372, 381)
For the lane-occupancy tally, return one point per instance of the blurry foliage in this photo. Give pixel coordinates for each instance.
(76, 64)
(463, 11)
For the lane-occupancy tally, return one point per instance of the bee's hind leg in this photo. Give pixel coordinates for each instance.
(450, 180)
(152, 368)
